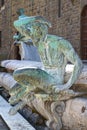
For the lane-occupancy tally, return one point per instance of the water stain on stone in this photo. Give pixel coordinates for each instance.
(83, 109)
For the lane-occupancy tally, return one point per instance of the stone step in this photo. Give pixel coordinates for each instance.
(6, 80)
(16, 122)
(15, 64)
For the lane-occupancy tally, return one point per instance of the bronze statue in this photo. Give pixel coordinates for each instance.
(55, 53)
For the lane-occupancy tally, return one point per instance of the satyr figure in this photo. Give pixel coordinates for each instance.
(55, 53)
(46, 83)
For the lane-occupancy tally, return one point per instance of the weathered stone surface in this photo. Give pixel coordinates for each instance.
(16, 122)
(75, 115)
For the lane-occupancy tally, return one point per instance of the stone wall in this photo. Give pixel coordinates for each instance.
(5, 28)
(67, 25)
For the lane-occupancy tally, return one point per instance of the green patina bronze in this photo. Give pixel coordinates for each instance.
(55, 52)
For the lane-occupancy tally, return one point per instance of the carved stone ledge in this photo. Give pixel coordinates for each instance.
(51, 111)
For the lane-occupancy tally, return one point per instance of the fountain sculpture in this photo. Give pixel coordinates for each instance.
(44, 88)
